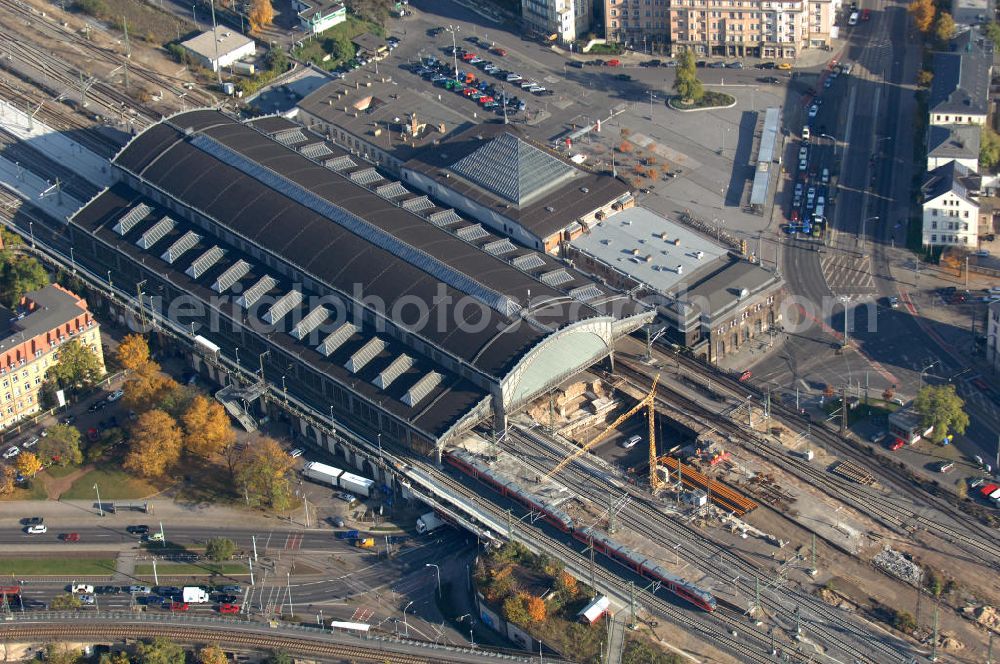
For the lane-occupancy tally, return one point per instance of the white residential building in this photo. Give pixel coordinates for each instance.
(950, 207)
(953, 143)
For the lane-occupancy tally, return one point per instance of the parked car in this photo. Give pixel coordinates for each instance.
(32, 521)
(31, 442)
(813, 110)
(631, 442)
(138, 530)
(893, 301)
(179, 606)
(138, 590)
(229, 608)
(107, 590)
(86, 599)
(11, 452)
(576, 64)
(39, 529)
(716, 65)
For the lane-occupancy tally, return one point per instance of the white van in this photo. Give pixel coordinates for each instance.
(853, 20)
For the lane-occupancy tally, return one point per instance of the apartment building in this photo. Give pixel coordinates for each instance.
(30, 339)
(951, 206)
(960, 88)
(568, 20)
(739, 28)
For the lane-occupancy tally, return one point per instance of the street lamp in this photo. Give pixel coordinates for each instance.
(100, 507)
(405, 626)
(438, 570)
(454, 47)
(836, 144)
(864, 223)
(924, 370)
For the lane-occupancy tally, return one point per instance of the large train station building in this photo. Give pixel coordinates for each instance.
(327, 282)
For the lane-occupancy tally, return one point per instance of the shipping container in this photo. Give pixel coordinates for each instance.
(356, 484)
(244, 68)
(321, 472)
(593, 611)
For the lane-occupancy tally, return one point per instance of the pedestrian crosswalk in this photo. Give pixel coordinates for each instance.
(847, 273)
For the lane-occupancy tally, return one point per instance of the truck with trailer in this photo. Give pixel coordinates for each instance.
(348, 535)
(322, 473)
(428, 522)
(194, 595)
(356, 484)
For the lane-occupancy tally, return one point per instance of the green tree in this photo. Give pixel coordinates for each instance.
(904, 621)
(376, 11)
(120, 657)
(60, 653)
(61, 445)
(944, 27)
(923, 14)
(686, 83)
(160, 651)
(992, 31)
(78, 366)
(515, 609)
(279, 657)
(20, 275)
(339, 47)
(220, 548)
(989, 148)
(276, 60)
(941, 407)
(65, 601)
(262, 472)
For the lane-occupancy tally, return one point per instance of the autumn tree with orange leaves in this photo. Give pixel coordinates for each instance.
(206, 428)
(155, 446)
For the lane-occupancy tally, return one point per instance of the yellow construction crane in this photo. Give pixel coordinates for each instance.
(649, 403)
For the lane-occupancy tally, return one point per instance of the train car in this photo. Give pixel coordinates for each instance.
(10, 590)
(684, 589)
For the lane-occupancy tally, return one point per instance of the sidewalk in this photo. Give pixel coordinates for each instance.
(85, 513)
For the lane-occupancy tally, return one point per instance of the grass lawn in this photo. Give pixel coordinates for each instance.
(57, 566)
(191, 569)
(114, 485)
(876, 408)
(31, 490)
(710, 99)
(60, 471)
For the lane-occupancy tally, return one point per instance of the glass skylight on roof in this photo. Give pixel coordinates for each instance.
(257, 291)
(392, 190)
(422, 388)
(234, 273)
(444, 218)
(365, 354)
(396, 368)
(131, 218)
(417, 204)
(341, 163)
(556, 277)
(513, 169)
(337, 338)
(205, 261)
(156, 233)
(472, 233)
(316, 150)
(313, 319)
(180, 245)
(285, 303)
(500, 247)
(528, 262)
(366, 176)
(586, 293)
(289, 136)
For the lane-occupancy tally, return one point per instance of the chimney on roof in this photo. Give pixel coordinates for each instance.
(413, 124)
(441, 128)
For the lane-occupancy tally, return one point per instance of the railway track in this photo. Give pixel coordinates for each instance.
(642, 516)
(15, 150)
(973, 536)
(235, 635)
(697, 622)
(54, 30)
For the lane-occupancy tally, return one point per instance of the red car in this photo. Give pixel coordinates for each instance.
(70, 537)
(229, 608)
(485, 100)
(745, 376)
(499, 51)
(468, 56)
(795, 215)
(614, 63)
(179, 606)
(866, 14)
(468, 92)
(897, 444)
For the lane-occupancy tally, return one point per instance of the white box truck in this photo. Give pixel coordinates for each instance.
(357, 484)
(194, 595)
(321, 472)
(429, 522)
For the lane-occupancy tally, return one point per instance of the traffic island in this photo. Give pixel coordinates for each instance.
(708, 101)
